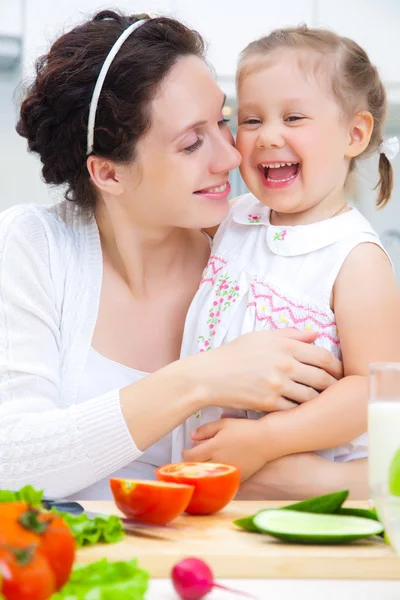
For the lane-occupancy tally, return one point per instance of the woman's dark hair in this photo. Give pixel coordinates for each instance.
(54, 114)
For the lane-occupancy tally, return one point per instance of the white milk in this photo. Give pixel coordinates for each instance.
(384, 439)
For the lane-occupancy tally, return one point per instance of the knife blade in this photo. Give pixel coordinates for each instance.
(129, 525)
(135, 527)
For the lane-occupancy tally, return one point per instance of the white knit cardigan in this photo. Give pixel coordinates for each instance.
(51, 271)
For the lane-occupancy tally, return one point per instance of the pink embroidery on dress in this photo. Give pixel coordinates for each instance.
(226, 292)
(212, 268)
(282, 297)
(280, 235)
(253, 218)
(269, 297)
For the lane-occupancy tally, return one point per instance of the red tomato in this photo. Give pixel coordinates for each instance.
(25, 574)
(151, 501)
(216, 484)
(21, 524)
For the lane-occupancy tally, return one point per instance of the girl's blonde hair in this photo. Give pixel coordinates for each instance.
(354, 81)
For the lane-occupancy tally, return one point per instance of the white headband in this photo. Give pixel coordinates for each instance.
(389, 147)
(100, 80)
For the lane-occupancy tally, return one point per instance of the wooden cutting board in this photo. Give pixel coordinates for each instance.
(231, 552)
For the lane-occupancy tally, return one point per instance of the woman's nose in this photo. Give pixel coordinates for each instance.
(226, 157)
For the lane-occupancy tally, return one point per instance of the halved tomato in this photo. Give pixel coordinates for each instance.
(151, 501)
(216, 484)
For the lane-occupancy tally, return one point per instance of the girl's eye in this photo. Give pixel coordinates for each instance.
(251, 122)
(223, 122)
(194, 146)
(294, 118)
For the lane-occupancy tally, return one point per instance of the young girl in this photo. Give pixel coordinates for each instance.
(292, 253)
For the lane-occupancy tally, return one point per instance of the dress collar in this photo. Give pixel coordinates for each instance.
(286, 240)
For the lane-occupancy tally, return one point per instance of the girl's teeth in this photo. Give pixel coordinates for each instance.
(277, 165)
(281, 180)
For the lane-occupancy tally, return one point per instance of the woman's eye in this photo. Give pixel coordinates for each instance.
(194, 146)
(223, 122)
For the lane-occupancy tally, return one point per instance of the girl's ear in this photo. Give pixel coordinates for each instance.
(361, 128)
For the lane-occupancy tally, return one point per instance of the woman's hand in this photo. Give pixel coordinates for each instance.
(262, 371)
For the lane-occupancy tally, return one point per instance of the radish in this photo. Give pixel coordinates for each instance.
(193, 579)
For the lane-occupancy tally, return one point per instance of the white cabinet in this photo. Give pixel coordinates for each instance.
(47, 19)
(375, 25)
(228, 26)
(11, 18)
(10, 33)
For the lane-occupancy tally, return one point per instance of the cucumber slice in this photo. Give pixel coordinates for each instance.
(326, 504)
(366, 513)
(311, 528)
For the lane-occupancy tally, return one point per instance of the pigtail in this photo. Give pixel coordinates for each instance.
(386, 180)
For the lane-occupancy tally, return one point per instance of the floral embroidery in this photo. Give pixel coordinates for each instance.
(226, 292)
(214, 266)
(280, 235)
(253, 218)
(277, 309)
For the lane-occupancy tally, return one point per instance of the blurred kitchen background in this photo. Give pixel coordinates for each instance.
(27, 27)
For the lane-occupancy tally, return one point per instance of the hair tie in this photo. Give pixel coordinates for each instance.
(389, 147)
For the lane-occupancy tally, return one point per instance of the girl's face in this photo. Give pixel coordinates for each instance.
(292, 137)
(180, 177)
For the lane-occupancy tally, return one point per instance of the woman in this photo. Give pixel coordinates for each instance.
(95, 290)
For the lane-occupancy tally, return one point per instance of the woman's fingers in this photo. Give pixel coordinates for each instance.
(312, 377)
(298, 393)
(318, 357)
(284, 403)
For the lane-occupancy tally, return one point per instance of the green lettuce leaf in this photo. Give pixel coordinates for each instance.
(26, 494)
(87, 531)
(103, 580)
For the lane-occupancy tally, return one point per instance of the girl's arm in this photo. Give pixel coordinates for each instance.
(367, 307)
(302, 476)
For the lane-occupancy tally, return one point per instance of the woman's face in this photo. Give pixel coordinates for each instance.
(180, 176)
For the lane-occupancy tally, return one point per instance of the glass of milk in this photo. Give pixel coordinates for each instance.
(383, 423)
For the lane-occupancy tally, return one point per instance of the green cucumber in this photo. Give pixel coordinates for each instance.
(327, 504)
(247, 523)
(315, 528)
(364, 513)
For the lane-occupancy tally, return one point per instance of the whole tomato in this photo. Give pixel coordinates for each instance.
(25, 574)
(22, 525)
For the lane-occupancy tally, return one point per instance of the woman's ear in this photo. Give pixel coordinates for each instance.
(105, 175)
(361, 128)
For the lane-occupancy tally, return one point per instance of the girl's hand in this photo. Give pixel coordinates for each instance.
(238, 442)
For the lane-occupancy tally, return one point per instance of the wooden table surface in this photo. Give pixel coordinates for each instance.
(233, 553)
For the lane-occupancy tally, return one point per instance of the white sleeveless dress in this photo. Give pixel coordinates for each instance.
(262, 276)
